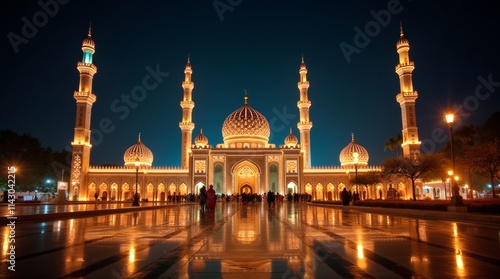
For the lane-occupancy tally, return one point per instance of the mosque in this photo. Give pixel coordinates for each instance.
(245, 162)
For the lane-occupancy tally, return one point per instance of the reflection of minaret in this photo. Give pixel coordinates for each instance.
(406, 98)
(186, 124)
(304, 124)
(84, 99)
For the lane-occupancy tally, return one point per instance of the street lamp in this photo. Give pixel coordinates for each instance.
(355, 155)
(136, 195)
(456, 199)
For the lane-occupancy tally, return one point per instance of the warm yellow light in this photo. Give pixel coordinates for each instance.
(450, 172)
(131, 255)
(137, 163)
(456, 178)
(356, 156)
(449, 118)
(361, 255)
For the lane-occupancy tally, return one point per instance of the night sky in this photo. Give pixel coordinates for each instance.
(238, 45)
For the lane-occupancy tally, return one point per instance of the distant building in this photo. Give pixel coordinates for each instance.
(245, 161)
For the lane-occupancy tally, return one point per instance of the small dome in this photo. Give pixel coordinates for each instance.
(246, 124)
(201, 140)
(88, 42)
(347, 157)
(138, 154)
(291, 140)
(402, 42)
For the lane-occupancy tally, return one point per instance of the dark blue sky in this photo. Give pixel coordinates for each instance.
(252, 45)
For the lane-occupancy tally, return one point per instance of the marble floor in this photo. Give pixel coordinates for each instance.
(235, 241)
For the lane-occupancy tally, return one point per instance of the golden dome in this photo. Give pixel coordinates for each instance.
(201, 140)
(402, 42)
(138, 154)
(88, 42)
(347, 155)
(246, 125)
(291, 140)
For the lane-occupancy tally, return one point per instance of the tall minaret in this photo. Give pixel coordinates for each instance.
(406, 98)
(186, 124)
(84, 99)
(304, 125)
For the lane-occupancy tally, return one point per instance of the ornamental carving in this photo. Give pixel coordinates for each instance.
(77, 167)
(199, 166)
(218, 158)
(246, 171)
(273, 158)
(291, 166)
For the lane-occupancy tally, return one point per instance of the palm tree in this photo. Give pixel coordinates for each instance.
(393, 144)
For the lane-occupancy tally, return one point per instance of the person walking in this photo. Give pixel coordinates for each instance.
(203, 198)
(345, 197)
(270, 199)
(211, 196)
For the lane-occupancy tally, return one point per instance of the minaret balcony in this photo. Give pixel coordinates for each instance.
(303, 85)
(86, 65)
(187, 85)
(187, 104)
(186, 126)
(409, 65)
(304, 104)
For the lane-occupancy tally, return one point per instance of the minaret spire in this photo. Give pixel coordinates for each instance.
(187, 106)
(407, 98)
(304, 124)
(85, 98)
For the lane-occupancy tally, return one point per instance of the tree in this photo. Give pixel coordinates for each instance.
(27, 154)
(393, 144)
(369, 178)
(485, 157)
(413, 168)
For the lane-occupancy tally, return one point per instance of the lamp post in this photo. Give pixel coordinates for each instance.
(355, 155)
(136, 195)
(456, 199)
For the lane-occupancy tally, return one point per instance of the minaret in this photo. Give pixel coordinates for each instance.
(406, 98)
(186, 124)
(84, 99)
(304, 125)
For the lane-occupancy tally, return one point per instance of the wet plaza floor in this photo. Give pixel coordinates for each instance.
(236, 241)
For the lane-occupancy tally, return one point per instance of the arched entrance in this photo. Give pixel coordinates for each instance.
(246, 177)
(247, 189)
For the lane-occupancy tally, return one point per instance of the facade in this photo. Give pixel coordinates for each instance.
(245, 162)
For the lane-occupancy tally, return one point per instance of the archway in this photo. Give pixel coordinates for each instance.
(246, 174)
(292, 188)
(247, 189)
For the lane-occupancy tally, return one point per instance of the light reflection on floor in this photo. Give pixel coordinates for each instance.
(289, 241)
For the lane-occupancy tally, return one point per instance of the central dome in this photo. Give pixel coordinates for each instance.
(246, 127)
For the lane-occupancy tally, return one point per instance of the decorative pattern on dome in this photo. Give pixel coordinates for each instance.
(138, 154)
(402, 40)
(291, 140)
(246, 121)
(201, 140)
(347, 157)
(88, 42)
